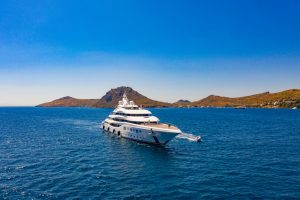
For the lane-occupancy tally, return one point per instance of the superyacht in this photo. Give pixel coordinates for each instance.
(130, 121)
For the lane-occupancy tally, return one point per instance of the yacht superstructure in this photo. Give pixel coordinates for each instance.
(130, 121)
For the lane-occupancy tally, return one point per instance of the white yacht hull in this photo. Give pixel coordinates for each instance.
(141, 133)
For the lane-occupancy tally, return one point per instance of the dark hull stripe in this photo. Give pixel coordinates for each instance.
(156, 140)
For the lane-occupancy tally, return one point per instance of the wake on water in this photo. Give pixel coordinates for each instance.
(77, 123)
(190, 137)
(92, 125)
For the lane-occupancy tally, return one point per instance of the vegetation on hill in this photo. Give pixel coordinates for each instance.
(284, 99)
(182, 103)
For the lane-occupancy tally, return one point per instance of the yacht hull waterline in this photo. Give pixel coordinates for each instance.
(135, 123)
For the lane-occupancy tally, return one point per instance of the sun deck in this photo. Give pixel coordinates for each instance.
(165, 126)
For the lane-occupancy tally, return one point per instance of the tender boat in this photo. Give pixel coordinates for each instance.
(130, 121)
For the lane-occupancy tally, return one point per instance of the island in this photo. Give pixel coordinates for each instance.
(284, 99)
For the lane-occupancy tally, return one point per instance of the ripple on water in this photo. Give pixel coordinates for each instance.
(61, 154)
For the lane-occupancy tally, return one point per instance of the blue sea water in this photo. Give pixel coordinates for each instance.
(60, 153)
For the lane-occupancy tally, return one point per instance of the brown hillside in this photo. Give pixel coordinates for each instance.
(284, 99)
(70, 102)
(288, 98)
(112, 97)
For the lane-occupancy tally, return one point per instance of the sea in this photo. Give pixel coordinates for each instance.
(61, 153)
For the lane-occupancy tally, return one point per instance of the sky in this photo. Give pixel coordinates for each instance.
(166, 50)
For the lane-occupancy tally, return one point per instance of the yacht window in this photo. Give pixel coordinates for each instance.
(133, 122)
(139, 115)
(115, 125)
(133, 115)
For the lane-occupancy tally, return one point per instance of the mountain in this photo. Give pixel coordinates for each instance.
(182, 103)
(70, 102)
(284, 99)
(112, 97)
(109, 100)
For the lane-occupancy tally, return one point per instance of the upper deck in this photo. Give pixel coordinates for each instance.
(129, 108)
(125, 103)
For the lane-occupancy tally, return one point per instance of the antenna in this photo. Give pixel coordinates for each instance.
(125, 99)
(125, 96)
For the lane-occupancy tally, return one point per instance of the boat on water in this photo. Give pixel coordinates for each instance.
(294, 108)
(130, 121)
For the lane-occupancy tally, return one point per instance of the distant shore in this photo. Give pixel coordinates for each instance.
(284, 99)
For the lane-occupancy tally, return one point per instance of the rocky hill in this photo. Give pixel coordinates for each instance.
(112, 97)
(182, 103)
(70, 102)
(284, 99)
(109, 100)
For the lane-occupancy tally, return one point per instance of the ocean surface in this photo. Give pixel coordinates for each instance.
(60, 153)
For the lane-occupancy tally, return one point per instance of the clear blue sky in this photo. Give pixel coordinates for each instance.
(167, 50)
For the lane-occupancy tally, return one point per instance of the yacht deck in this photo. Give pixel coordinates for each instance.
(165, 126)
